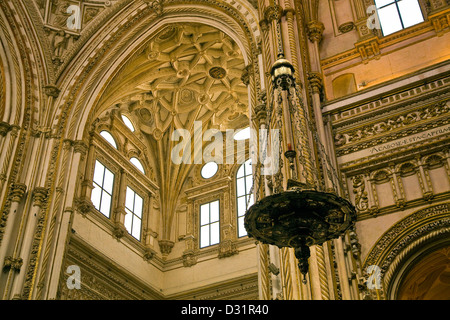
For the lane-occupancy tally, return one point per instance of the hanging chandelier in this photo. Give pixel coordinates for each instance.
(304, 212)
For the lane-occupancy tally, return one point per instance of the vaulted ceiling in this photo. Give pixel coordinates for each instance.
(185, 73)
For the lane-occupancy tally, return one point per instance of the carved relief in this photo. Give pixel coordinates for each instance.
(361, 199)
(391, 124)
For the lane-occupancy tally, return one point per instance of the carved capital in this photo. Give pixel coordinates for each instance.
(51, 91)
(17, 191)
(273, 13)
(156, 6)
(289, 13)
(148, 254)
(246, 74)
(315, 31)
(189, 259)
(84, 205)
(4, 128)
(119, 231)
(80, 146)
(227, 248)
(166, 246)
(12, 263)
(40, 196)
(315, 82)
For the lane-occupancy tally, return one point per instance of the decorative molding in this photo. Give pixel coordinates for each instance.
(440, 22)
(413, 117)
(368, 49)
(405, 232)
(346, 27)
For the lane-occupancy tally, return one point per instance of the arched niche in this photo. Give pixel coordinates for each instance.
(405, 244)
(427, 276)
(343, 85)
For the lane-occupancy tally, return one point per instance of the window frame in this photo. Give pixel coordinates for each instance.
(102, 190)
(248, 197)
(209, 223)
(133, 214)
(399, 14)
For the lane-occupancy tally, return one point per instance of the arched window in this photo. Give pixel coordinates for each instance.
(137, 164)
(128, 123)
(395, 15)
(244, 182)
(108, 137)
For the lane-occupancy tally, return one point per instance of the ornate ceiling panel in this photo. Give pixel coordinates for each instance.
(186, 73)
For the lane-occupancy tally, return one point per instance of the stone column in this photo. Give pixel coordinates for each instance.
(39, 202)
(16, 194)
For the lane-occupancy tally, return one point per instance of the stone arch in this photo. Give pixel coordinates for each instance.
(94, 65)
(405, 242)
(102, 59)
(343, 85)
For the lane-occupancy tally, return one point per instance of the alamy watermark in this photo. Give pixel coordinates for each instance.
(74, 280)
(374, 280)
(74, 20)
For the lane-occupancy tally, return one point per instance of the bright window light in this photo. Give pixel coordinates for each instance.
(108, 137)
(133, 218)
(101, 195)
(209, 170)
(209, 224)
(137, 164)
(244, 182)
(395, 15)
(128, 122)
(242, 134)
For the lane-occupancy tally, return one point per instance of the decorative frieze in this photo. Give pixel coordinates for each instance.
(392, 123)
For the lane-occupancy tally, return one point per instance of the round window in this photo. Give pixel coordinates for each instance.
(209, 170)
